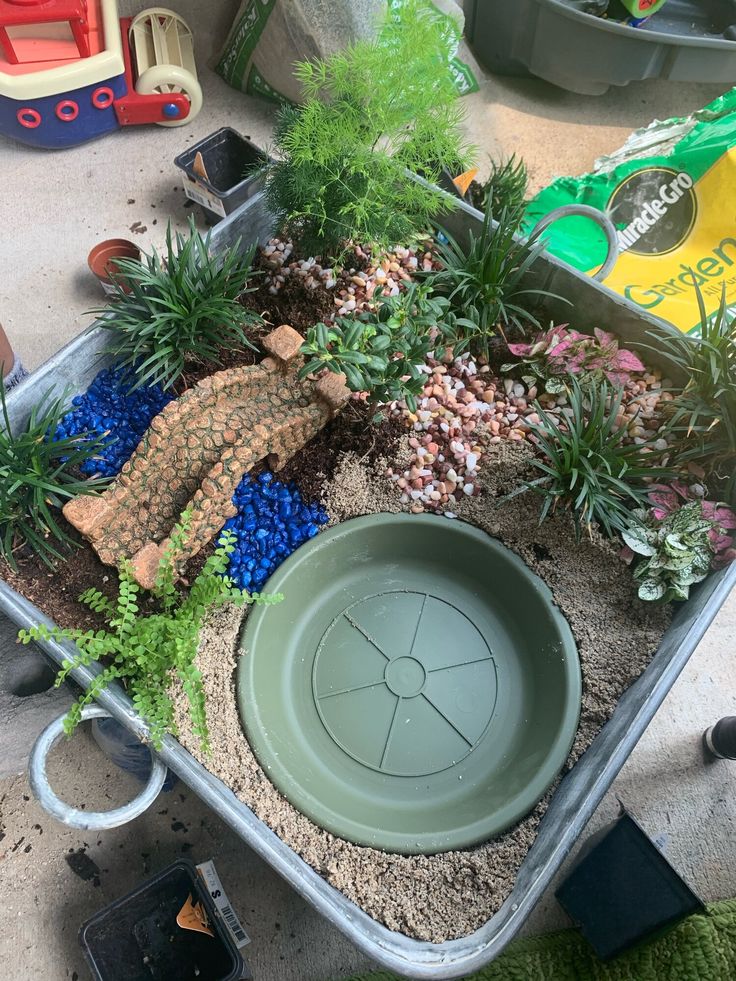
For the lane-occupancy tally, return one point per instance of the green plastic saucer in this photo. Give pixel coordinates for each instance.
(416, 690)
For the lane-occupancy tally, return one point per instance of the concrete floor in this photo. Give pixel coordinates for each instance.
(55, 207)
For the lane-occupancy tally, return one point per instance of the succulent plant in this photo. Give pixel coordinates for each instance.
(484, 280)
(681, 542)
(381, 353)
(179, 304)
(39, 471)
(506, 186)
(558, 352)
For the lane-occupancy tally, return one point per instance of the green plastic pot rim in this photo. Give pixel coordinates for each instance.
(473, 832)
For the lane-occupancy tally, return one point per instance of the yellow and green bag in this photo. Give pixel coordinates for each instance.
(671, 193)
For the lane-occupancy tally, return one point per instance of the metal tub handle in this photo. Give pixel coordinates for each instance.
(86, 820)
(599, 217)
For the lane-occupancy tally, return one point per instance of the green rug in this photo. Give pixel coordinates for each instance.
(701, 948)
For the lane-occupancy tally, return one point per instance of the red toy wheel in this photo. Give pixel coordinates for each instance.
(28, 117)
(102, 97)
(67, 110)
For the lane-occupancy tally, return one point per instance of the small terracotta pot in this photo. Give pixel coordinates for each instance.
(102, 258)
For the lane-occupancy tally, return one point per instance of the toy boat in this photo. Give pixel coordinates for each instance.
(71, 70)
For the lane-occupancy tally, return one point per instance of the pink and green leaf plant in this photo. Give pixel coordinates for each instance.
(679, 539)
(562, 351)
(666, 498)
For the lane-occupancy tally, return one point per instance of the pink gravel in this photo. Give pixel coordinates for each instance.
(461, 396)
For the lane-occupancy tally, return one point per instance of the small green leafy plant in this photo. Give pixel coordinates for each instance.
(679, 548)
(182, 304)
(703, 415)
(586, 466)
(38, 473)
(381, 353)
(555, 354)
(370, 113)
(147, 651)
(483, 280)
(505, 188)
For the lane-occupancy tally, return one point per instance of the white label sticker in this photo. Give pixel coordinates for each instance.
(219, 897)
(195, 192)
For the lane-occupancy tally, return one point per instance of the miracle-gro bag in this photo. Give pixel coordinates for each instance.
(671, 193)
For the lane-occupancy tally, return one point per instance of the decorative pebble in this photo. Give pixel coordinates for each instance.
(354, 290)
(110, 407)
(272, 522)
(458, 396)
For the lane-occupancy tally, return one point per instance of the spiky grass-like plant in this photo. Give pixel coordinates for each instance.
(702, 422)
(370, 113)
(484, 280)
(587, 467)
(505, 188)
(38, 473)
(182, 304)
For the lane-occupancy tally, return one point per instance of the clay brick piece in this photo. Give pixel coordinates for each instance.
(84, 512)
(145, 564)
(283, 343)
(197, 450)
(333, 390)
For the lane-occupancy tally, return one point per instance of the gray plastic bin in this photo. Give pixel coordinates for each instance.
(582, 788)
(687, 41)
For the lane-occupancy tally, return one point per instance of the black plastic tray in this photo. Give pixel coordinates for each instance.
(623, 891)
(232, 163)
(136, 938)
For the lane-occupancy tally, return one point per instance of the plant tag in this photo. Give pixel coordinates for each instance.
(196, 192)
(213, 885)
(463, 181)
(192, 917)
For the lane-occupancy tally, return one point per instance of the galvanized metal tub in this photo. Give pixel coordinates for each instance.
(580, 791)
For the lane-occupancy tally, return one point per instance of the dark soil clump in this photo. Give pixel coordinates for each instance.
(293, 304)
(56, 591)
(227, 357)
(351, 431)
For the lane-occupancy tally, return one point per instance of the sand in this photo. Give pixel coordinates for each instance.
(449, 895)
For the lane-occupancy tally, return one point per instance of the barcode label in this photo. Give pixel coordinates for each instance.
(195, 192)
(219, 897)
(234, 923)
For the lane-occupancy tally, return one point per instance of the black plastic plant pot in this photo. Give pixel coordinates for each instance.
(137, 938)
(231, 162)
(623, 891)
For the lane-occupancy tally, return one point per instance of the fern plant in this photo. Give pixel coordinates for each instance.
(147, 651)
(585, 464)
(484, 280)
(38, 473)
(371, 112)
(182, 304)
